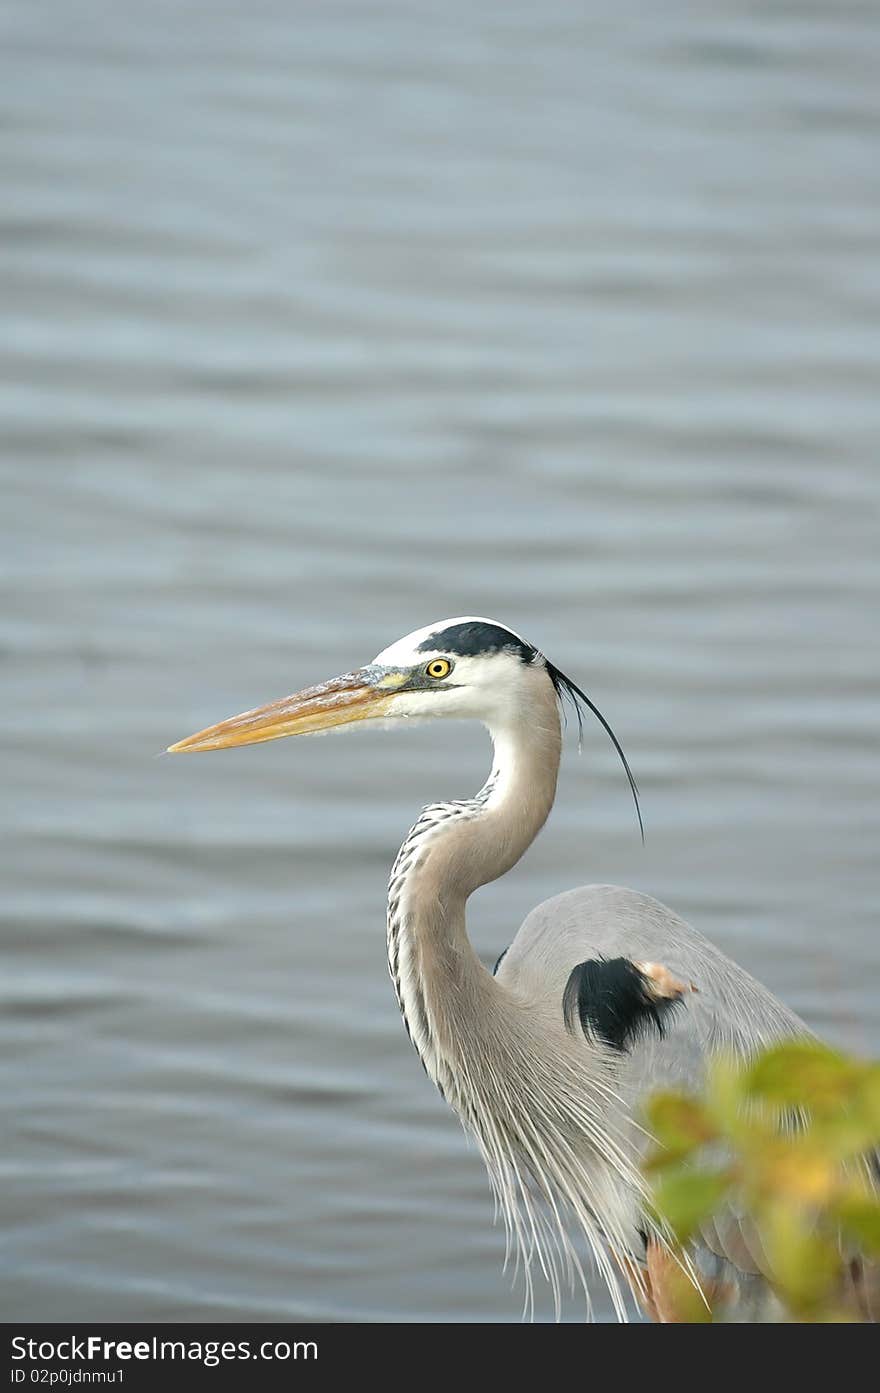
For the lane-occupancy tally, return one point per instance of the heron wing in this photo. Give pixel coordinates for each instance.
(729, 1011)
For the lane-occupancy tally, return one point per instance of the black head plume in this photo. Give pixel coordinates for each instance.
(567, 690)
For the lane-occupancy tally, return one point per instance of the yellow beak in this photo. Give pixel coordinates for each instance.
(339, 702)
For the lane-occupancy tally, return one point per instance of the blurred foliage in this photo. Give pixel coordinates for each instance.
(785, 1141)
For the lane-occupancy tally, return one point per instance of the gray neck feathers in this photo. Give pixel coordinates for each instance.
(445, 993)
(541, 1104)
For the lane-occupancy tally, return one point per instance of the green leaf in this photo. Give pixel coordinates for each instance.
(781, 1138)
(860, 1217)
(804, 1264)
(804, 1074)
(791, 1168)
(685, 1198)
(845, 1134)
(868, 1099)
(725, 1092)
(679, 1123)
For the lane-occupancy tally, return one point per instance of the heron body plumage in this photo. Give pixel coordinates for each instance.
(547, 1062)
(499, 1048)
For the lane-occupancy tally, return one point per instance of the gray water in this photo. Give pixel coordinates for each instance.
(322, 322)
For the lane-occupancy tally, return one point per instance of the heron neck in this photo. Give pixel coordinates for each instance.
(443, 988)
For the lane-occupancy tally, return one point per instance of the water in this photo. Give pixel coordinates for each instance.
(320, 325)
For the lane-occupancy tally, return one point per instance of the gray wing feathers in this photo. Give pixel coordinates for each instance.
(729, 1011)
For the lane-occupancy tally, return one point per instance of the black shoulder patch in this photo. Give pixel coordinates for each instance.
(473, 640)
(501, 958)
(612, 999)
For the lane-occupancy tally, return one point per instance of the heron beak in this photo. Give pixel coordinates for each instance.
(356, 696)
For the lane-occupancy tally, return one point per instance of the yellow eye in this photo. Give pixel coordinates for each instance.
(438, 668)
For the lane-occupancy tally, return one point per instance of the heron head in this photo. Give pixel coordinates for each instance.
(466, 668)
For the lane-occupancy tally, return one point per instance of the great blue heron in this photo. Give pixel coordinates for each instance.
(603, 995)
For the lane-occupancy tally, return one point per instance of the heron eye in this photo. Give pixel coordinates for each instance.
(438, 668)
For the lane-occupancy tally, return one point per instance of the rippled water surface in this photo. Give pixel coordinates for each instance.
(322, 322)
